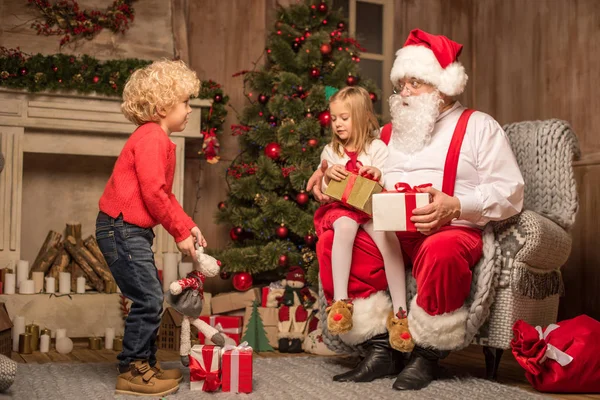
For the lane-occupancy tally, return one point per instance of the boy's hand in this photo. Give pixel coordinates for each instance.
(198, 236)
(337, 172)
(186, 246)
(370, 170)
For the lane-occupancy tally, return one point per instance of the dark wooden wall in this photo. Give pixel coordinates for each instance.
(529, 60)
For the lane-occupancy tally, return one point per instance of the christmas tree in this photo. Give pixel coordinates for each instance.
(255, 333)
(282, 132)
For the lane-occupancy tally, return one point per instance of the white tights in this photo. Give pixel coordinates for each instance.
(345, 230)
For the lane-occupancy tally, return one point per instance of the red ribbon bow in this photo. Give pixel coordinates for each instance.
(403, 187)
(212, 382)
(354, 167)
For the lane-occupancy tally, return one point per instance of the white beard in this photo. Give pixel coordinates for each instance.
(413, 124)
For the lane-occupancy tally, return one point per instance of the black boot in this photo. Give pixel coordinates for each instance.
(422, 368)
(284, 345)
(381, 361)
(295, 346)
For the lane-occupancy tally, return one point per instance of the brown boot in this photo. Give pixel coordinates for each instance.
(167, 374)
(400, 337)
(339, 317)
(141, 380)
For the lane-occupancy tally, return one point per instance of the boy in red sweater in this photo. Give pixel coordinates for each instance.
(138, 197)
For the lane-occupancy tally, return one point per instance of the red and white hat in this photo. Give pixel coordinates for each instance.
(433, 59)
(295, 274)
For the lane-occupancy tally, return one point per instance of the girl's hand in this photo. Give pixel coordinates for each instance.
(337, 172)
(199, 238)
(370, 170)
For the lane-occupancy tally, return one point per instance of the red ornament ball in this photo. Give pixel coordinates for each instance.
(310, 239)
(218, 98)
(263, 99)
(234, 236)
(322, 7)
(242, 281)
(272, 119)
(325, 49)
(96, 79)
(222, 206)
(286, 197)
(54, 68)
(325, 118)
(224, 275)
(341, 26)
(308, 114)
(373, 97)
(302, 198)
(313, 142)
(282, 232)
(238, 231)
(273, 150)
(295, 47)
(283, 260)
(351, 80)
(315, 73)
(23, 71)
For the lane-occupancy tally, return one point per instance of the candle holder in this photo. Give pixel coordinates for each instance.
(34, 331)
(95, 343)
(25, 343)
(118, 343)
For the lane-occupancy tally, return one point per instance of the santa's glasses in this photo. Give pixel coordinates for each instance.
(412, 85)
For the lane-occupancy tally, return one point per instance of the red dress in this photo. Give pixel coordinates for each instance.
(327, 214)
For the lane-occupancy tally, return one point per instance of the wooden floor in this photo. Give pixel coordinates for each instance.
(469, 360)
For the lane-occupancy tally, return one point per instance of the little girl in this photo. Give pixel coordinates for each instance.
(354, 147)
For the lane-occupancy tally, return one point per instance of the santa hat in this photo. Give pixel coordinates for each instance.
(433, 59)
(295, 274)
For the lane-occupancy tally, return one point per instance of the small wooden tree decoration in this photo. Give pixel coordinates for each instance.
(255, 333)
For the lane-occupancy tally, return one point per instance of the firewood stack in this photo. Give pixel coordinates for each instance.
(77, 256)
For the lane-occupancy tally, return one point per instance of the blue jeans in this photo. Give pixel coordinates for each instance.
(127, 249)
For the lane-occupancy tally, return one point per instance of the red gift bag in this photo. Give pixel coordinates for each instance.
(563, 358)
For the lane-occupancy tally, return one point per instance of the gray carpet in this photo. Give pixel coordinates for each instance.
(295, 378)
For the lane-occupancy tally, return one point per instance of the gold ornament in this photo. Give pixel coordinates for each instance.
(260, 200)
(39, 77)
(78, 78)
(307, 255)
(287, 121)
(4, 74)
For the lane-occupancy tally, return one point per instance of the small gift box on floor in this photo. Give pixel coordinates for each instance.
(237, 368)
(205, 368)
(230, 326)
(392, 210)
(563, 358)
(354, 190)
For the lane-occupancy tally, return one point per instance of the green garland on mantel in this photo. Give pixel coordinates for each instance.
(85, 74)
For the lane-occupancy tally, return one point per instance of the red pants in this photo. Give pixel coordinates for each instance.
(441, 265)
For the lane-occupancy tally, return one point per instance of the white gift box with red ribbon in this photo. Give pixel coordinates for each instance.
(392, 210)
(205, 368)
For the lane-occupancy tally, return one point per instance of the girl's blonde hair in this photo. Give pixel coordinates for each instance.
(161, 84)
(364, 122)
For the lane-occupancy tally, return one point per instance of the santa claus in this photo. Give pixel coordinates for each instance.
(475, 179)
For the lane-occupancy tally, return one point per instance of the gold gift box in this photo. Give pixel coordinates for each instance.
(361, 193)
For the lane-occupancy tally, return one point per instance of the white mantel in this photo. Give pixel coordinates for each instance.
(75, 124)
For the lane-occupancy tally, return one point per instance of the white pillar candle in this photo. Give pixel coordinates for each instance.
(27, 287)
(22, 271)
(185, 268)
(50, 284)
(81, 285)
(61, 332)
(18, 328)
(109, 336)
(44, 343)
(64, 283)
(38, 281)
(9, 285)
(169, 270)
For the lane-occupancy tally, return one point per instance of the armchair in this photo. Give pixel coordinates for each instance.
(518, 276)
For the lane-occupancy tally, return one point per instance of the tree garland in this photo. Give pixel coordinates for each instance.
(74, 23)
(85, 74)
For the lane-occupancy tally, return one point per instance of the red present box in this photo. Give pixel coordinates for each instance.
(237, 369)
(205, 366)
(228, 325)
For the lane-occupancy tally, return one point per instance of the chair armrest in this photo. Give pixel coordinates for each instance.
(531, 239)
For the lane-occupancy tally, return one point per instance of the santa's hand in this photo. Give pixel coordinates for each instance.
(441, 211)
(175, 288)
(314, 183)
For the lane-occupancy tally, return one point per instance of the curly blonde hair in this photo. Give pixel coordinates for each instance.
(161, 84)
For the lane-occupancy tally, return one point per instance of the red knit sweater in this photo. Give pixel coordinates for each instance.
(141, 183)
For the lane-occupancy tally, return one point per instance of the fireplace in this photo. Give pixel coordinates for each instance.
(64, 145)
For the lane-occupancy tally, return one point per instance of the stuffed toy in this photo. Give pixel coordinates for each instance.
(296, 305)
(187, 295)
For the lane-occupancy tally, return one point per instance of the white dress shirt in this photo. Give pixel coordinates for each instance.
(488, 184)
(375, 155)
